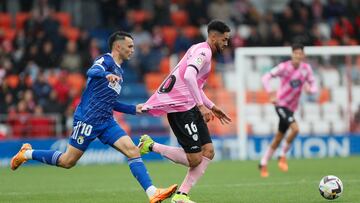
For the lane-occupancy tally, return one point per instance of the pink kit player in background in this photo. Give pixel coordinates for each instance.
(294, 74)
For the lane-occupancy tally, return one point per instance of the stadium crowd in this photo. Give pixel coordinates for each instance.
(46, 46)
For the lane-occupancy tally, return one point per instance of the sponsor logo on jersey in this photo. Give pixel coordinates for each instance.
(115, 86)
(295, 83)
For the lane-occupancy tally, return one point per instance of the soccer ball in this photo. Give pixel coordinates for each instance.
(330, 187)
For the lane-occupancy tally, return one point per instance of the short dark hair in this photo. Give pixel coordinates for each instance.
(296, 46)
(219, 26)
(119, 35)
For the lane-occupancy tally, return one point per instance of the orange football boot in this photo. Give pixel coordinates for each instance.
(19, 158)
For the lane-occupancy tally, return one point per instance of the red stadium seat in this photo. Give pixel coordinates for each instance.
(76, 81)
(179, 18)
(139, 16)
(191, 32)
(41, 126)
(71, 33)
(154, 80)
(63, 18)
(170, 34)
(12, 81)
(5, 20)
(324, 96)
(18, 123)
(20, 19)
(332, 42)
(9, 33)
(165, 65)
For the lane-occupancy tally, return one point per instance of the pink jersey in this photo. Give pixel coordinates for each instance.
(182, 89)
(292, 81)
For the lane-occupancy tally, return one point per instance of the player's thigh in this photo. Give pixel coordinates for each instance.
(112, 133)
(285, 118)
(116, 137)
(126, 146)
(294, 127)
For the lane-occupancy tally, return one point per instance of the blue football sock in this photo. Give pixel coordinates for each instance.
(50, 157)
(139, 171)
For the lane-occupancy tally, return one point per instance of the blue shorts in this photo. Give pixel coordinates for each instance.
(83, 134)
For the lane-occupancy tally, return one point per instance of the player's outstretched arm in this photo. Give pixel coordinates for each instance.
(125, 108)
(224, 119)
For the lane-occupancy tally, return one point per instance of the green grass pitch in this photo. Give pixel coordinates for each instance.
(224, 182)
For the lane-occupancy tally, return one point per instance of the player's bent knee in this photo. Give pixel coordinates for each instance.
(209, 154)
(67, 164)
(295, 130)
(195, 161)
(132, 152)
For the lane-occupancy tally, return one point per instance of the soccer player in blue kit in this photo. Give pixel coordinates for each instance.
(93, 118)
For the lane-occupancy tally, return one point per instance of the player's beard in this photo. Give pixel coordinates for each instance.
(218, 48)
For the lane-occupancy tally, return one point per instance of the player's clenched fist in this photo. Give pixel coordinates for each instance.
(139, 108)
(112, 78)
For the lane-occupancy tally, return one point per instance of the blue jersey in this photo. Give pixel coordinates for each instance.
(100, 96)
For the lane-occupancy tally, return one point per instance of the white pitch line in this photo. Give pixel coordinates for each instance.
(132, 189)
(272, 183)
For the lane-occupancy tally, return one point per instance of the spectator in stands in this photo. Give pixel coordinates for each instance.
(6, 102)
(47, 56)
(52, 105)
(148, 59)
(197, 12)
(142, 36)
(32, 69)
(26, 5)
(157, 37)
(333, 9)
(220, 9)
(317, 10)
(182, 42)
(285, 20)
(19, 120)
(254, 38)
(41, 89)
(276, 36)
(89, 53)
(31, 54)
(29, 100)
(39, 124)
(71, 59)
(161, 13)
(240, 9)
(343, 27)
(62, 88)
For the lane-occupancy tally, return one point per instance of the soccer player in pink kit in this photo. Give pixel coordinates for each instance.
(294, 74)
(181, 97)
